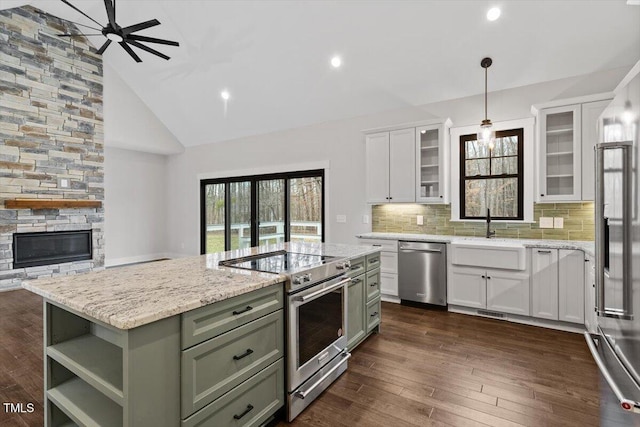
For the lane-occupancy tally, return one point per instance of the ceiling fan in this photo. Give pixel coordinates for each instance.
(122, 35)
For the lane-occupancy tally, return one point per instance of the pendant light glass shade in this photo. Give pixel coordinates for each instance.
(487, 134)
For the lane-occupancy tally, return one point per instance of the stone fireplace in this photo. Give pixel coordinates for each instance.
(51, 143)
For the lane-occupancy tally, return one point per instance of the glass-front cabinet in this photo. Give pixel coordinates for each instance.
(560, 150)
(432, 161)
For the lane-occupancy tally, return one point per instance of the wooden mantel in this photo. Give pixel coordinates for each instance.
(51, 204)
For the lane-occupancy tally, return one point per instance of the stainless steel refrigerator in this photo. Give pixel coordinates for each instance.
(616, 346)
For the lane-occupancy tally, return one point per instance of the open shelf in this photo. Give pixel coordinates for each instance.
(435, 147)
(51, 204)
(557, 131)
(430, 166)
(84, 405)
(95, 360)
(428, 182)
(561, 176)
(560, 153)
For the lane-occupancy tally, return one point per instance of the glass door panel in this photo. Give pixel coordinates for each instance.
(214, 217)
(271, 211)
(429, 164)
(240, 214)
(305, 207)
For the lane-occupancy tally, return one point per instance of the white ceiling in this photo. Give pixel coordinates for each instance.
(273, 56)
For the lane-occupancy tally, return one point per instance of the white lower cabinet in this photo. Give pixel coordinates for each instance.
(492, 289)
(590, 318)
(388, 265)
(557, 284)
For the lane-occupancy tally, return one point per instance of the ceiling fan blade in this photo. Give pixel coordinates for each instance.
(151, 40)
(86, 26)
(148, 49)
(140, 26)
(111, 12)
(78, 10)
(79, 35)
(104, 47)
(130, 51)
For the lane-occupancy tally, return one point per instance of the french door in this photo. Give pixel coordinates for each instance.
(242, 212)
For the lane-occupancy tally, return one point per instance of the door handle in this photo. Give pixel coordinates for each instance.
(409, 250)
(305, 393)
(332, 288)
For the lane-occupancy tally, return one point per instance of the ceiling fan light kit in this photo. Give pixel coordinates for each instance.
(123, 35)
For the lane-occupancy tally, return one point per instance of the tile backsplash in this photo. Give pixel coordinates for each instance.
(401, 218)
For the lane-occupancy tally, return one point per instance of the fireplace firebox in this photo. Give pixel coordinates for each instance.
(46, 248)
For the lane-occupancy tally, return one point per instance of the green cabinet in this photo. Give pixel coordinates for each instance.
(363, 294)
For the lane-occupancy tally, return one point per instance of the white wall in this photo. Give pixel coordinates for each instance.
(341, 143)
(135, 206)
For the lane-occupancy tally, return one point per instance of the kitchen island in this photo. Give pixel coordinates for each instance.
(148, 344)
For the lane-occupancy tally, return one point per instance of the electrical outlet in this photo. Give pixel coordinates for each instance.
(558, 222)
(546, 222)
(365, 219)
(64, 183)
(420, 220)
(341, 218)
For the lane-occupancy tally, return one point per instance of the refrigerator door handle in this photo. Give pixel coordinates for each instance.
(626, 312)
(626, 404)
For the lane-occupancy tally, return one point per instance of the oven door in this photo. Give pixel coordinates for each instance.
(317, 328)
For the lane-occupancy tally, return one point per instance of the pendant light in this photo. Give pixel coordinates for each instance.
(487, 133)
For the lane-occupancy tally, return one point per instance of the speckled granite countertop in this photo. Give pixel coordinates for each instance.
(132, 296)
(587, 247)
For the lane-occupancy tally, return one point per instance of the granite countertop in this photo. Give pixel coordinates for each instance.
(587, 247)
(132, 296)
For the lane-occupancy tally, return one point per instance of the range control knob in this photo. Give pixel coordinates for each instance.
(344, 265)
(306, 277)
(297, 280)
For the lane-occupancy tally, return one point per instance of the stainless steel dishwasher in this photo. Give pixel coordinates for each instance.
(422, 272)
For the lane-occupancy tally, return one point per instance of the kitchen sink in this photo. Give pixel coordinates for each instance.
(502, 254)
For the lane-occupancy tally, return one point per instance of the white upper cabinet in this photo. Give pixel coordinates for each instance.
(432, 163)
(402, 174)
(390, 166)
(560, 149)
(377, 158)
(590, 115)
(566, 135)
(408, 164)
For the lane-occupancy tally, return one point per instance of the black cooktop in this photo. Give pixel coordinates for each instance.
(278, 262)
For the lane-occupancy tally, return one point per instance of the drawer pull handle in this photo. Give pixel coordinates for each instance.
(243, 355)
(355, 281)
(246, 411)
(374, 314)
(373, 261)
(374, 284)
(377, 246)
(544, 252)
(249, 308)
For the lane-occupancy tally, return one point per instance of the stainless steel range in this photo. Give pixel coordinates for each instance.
(316, 319)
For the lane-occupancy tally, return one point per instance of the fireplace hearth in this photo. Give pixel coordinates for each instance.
(46, 248)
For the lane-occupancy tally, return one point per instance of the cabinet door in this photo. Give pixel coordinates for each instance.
(560, 151)
(377, 164)
(389, 284)
(402, 166)
(590, 115)
(356, 322)
(389, 262)
(544, 283)
(431, 165)
(508, 292)
(467, 287)
(571, 286)
(590, 296)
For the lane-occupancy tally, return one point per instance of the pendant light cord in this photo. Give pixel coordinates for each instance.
(485, 93)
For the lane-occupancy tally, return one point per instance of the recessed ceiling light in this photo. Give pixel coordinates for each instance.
(225, 94)
(336, 62)
(493, 14)
(423, 131)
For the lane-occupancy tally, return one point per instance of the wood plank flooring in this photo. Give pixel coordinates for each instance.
(425, 368)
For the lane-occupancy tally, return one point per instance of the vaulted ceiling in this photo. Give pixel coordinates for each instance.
(273, 56)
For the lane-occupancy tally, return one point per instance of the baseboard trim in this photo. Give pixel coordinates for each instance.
(525, 320)
(390, 298)
(134, 259)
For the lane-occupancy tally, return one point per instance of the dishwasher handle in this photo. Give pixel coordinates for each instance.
(409, 250)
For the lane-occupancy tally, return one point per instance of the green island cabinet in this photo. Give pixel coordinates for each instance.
(363, 299)
(218, 365)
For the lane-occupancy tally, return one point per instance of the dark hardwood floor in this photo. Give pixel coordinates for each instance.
(424, 368)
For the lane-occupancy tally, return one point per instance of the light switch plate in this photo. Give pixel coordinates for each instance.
(558, 222)
(546, 222)
(365, 219)
(420, 220)
(64, 183)
(341, 218)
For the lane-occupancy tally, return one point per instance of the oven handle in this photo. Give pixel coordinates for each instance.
(305, 393)
(315, 294)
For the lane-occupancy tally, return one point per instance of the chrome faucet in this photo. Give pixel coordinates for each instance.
(489, 232)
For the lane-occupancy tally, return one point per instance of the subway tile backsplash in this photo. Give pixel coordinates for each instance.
(401, 218)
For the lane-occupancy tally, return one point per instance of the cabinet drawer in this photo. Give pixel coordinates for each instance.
(383, 244)
(214, 367)
(207, 322)
(357, 267)
(389, 284)
(373, 261)
(373, 284)
(249, 404)
(389, 262)
(373, 314)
